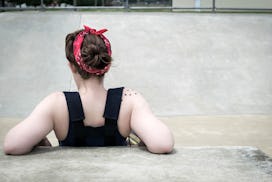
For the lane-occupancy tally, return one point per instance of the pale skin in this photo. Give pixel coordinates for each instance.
(52, 114)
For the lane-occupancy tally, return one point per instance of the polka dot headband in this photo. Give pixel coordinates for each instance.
(77, 50)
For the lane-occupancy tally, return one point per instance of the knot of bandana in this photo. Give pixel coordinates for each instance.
(77, 49)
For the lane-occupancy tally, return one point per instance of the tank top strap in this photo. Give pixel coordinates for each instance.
(74, 105)
(113, 103)
(111, 114)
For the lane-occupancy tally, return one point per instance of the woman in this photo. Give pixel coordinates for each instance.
(93, 116)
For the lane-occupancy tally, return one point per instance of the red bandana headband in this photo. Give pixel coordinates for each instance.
(77, 52)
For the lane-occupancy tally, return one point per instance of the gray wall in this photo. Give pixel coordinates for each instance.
(224, 3)
(184, 64)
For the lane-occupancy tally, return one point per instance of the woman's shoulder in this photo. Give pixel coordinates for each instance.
(55, 100)
(133, 97)
(55, 96)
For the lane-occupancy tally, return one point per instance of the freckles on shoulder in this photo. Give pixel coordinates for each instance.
(128, 93)
(132, 96)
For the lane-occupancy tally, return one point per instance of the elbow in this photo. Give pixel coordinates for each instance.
(162, 147)
(10, 148)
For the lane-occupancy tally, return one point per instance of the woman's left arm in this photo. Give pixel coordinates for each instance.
(33, 130)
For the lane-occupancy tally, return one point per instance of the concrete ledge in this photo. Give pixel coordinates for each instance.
(136, 164)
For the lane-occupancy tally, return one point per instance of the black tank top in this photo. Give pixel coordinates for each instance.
(107, 135)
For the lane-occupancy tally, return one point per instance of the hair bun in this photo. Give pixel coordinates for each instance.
(94, 52)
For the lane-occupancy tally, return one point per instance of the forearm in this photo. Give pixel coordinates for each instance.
(12, 146)
(21, 139)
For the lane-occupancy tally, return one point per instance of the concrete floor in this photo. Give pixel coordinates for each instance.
(188, 164)
(207, 76)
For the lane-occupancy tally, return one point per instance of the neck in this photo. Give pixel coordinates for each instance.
(90, 85)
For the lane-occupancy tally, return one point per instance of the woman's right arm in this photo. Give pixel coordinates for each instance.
(154, 133)
(32, 131)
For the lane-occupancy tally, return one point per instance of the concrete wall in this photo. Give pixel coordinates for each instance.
(184, 64)
(244, 4)
(224, 3)
(192, 3)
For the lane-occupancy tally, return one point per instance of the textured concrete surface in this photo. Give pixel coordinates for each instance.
(246, 130)
(184, 64)
(217, 65)
(199, 164)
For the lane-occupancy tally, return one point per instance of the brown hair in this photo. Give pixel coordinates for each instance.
(93, 51)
